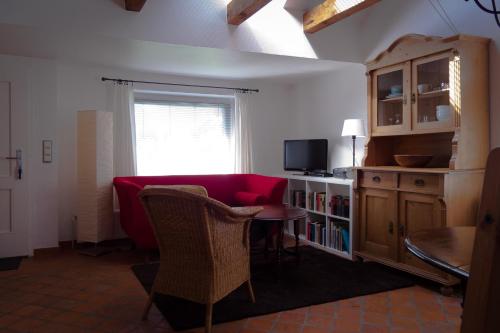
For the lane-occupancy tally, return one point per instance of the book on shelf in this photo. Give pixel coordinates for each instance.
(320, 202)
(317, 201)
(345, 237)
(298, 198)
(317, 233)
(345, 207)
(310, 203)
(316, 229)
(339, 235)
(339, 205)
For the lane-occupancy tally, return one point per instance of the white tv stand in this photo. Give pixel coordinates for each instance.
(331, 187)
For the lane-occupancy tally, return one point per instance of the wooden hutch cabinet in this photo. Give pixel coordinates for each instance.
(426, 96)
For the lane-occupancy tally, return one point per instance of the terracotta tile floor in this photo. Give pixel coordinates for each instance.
(62, 291)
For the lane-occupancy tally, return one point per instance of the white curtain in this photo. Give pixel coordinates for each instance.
(244, 160)
(120, 101)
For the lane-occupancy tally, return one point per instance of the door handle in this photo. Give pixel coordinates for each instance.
(19, 160)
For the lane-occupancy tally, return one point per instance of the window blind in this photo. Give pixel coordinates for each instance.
(174, 138)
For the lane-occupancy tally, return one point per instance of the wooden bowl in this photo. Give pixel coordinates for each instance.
(412, 161)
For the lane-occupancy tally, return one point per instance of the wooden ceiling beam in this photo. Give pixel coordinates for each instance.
(239, 10)
(330, 12)
(134, 5)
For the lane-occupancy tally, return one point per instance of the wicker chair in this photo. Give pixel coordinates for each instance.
(204, 245)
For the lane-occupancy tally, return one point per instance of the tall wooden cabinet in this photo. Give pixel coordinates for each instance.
(426, 96)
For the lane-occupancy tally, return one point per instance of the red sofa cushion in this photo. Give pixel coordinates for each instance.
(249, 198)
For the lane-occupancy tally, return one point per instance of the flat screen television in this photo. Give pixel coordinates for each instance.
(306, 155)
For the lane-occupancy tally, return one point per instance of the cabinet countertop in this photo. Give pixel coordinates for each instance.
(403, 169)
(395, 168)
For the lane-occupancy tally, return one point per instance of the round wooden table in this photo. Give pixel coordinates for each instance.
(449, 249)
(279, 214)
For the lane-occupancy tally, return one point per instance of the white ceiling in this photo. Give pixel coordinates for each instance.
(155, 57)
(188, 37)
(191, 37)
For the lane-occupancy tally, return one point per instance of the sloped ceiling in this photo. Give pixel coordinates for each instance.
(166, 35)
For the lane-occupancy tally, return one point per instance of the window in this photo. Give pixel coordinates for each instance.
(174, 138)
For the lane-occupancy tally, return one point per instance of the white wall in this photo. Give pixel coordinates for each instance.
(313, 108)
(58, 91)
(321, 104)
(80, 87)
(44, 176)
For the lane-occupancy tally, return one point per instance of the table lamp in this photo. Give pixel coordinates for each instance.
(354, 128)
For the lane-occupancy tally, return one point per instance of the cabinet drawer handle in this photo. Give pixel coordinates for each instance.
(402, 230)
(376, 179)
(419, 182)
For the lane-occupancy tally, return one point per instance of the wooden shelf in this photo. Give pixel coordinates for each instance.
(435, 93)
(331, 186)
(326, 214)
(392, 99)
(339, 217)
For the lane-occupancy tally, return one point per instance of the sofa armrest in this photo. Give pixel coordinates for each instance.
(130, 207)
(273, 188)
(250, 199)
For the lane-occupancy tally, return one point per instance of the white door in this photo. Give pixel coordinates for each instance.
(14, 120)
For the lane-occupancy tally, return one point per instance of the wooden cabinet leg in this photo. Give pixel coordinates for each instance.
(208, 318)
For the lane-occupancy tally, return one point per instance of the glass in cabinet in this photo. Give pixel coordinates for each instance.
(390, 108)
(434, 92)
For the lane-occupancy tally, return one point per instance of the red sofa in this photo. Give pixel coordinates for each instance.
(233, 190)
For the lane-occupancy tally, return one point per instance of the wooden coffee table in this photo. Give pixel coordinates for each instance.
(278, 214)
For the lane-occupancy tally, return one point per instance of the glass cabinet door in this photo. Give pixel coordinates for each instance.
(390, 106)
(431, 93)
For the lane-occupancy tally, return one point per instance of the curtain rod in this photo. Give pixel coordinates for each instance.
(244, 90)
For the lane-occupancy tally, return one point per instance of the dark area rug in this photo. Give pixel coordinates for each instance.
(9, 264)
(318, 278)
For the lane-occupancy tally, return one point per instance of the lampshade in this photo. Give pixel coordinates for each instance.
(354, 127)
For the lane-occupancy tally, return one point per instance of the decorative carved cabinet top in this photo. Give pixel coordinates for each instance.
(429, 96)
